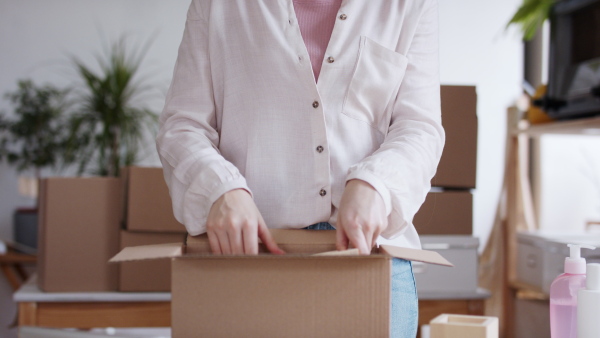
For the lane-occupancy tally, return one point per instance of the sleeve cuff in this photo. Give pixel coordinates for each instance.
(376, 183)
(196, 205)
(238, 183)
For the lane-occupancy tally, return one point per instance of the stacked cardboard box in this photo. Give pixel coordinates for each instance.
(146, 275)
(148, 203)
(445, 220)
(78, 231)
(148, 219)
(458, 165)
(115, 212)
(449, 209)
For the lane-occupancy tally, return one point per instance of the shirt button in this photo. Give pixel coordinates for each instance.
(343, 17)
(330, 59)
(316, 104)
(323, 192)
(319, 149)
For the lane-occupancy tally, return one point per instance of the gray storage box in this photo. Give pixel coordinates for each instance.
(461, 279)
(541, 257)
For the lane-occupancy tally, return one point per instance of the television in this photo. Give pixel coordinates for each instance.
(574, 74)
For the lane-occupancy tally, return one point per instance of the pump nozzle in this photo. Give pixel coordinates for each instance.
(576, 249)
(575, 264)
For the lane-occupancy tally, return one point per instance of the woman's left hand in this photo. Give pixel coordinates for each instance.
(361, 217)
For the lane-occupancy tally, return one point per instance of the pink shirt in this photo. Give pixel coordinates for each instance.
(316, 19)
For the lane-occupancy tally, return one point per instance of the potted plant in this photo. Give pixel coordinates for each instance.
(110, 121)
(31, 140)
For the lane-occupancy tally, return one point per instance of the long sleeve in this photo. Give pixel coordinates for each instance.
(402, 168)
(187, 142)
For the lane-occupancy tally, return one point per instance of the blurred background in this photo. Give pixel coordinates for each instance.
(40, 39)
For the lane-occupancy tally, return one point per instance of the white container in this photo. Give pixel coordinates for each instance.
(588, 308)
(541, 257)
(462, 278)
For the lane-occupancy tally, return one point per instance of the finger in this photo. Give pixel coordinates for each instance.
(235, 241)
(267, 239)
(224, 242)
(375, 237)
(341, 242)
(250, 240)
(368, 233)
(214, 243)
(357, 238)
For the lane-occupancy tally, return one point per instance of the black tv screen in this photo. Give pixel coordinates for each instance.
(574, 74)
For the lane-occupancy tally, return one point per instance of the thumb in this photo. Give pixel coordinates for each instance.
(341, 242)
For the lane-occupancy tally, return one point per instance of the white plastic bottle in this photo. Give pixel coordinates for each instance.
(588, 308)
(563, 295)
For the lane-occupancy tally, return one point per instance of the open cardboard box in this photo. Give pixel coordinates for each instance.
(311, 291)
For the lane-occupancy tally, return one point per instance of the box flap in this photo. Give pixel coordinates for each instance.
(321, 242)
(291, 241)
(424, 256)
(349, 252)
(143, 252)
(302, 236)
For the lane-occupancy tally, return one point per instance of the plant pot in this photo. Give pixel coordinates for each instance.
(26, 227)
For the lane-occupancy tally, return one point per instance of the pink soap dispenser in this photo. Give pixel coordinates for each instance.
(563, 295)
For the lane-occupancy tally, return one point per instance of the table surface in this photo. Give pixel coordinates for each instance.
(29, 292)
(480, 293)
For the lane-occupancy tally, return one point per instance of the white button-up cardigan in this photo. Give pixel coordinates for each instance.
(244, 111)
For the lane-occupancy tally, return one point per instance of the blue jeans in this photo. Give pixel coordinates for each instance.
(405, 305)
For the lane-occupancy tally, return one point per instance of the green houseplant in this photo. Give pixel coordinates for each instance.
(531, 15)
(32, 139)
(35, 138)
(110, 121)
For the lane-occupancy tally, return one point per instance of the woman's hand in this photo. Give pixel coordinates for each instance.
(234, 225)
(361, 217)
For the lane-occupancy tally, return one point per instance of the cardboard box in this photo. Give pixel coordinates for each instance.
(78, 232)
(462, 279)
(446, 213)
(462, 326)
(293, 295)
(149, 206)
(147, 276)
(458, 165)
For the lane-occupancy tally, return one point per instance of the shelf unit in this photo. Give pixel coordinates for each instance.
(583, 126)
(520, 213)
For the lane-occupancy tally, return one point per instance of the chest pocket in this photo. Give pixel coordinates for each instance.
(375, 82)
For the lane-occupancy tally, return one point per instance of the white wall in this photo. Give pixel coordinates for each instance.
(476, 50)
(36, 37)
(569, 183)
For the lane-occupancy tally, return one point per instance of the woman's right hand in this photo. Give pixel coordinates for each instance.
(234, 225)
